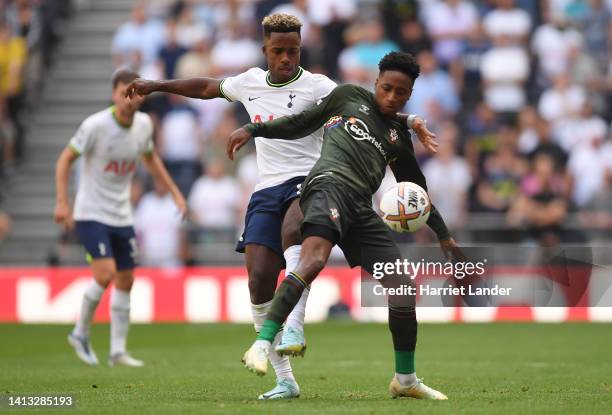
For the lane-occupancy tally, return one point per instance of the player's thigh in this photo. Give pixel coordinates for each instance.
(95, 238)
(292, 222)
(125, 247)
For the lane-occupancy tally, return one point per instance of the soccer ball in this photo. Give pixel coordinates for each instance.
(405, 207)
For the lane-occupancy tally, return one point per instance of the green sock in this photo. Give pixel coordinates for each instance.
(404, 362)
(268, 330)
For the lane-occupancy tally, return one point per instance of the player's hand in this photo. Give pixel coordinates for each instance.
(426, 137)
(63, 215)
(451, 250)
(181, 205)
(140, 87)
(238, 139)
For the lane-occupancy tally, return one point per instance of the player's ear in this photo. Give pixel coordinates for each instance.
(263, 49)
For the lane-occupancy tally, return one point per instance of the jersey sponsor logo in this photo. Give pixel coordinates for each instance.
(259, 118)
(122, 168)
(360, 132)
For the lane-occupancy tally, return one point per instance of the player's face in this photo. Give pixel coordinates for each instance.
(122, 103)
(392, 90)
(282, 51)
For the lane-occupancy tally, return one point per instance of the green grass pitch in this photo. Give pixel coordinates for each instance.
(195, 369)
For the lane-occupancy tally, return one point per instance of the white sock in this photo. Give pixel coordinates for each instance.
(120, 320)
(409, 379)
(91, 298)
(281, 364)
(296, 317)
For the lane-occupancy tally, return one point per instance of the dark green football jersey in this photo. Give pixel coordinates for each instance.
(359, 142)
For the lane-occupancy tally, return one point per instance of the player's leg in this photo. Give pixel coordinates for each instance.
(123, 240)
(95, 238)
(377, 246)
(315, 253)
(261, 243)
(293, 342)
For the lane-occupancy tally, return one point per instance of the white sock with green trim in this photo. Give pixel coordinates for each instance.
(296, 318)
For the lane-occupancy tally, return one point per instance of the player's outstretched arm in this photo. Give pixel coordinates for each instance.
(419, 126)
(62, 213)
(203, 88)
(156, 167)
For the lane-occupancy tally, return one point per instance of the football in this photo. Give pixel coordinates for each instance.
(405, 207)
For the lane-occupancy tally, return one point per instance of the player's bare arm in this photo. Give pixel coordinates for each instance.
(156, 167)
(62, 213)
(202, 88)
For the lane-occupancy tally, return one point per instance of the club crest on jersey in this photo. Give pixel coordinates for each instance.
(334, 214)
(393, 136)
(291, 96)
(365, 109)
(333, 122)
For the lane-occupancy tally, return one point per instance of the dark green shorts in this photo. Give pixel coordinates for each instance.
(358, 230)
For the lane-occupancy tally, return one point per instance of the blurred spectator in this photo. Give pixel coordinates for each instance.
(13, 57)
(528, 130)
(507, 20)
(413, 37)
(589, 163)
(333, 17)
(504, 70)
(236, 52)
(552, 44)
(171, 52)
(541, 205)
(585, 126)
(214, 203)
(469, 79)
(596, 27)
(547, 145)
(482, 127)
(248, 177)
(299, 9)
(449, 22)
(562, 100)
(180, 143)
(596, 215)
(138, 34)
(499, 183)
(358, 63)
(196, 62)
(434, 96)
(162, 242)
(188, 30)
(448, 178)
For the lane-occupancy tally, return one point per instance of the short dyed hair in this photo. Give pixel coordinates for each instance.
(281, 23)
(401, 62)
(123, 76)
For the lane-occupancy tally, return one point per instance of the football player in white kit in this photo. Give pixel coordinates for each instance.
(271, 239)
(111, 142)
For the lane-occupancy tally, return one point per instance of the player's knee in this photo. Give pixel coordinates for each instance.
(314, 263)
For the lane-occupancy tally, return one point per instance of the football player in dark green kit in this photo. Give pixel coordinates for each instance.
(362, 136)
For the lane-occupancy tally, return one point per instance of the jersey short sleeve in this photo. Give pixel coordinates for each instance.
(84, 138)
(322, 86)
(231, 88)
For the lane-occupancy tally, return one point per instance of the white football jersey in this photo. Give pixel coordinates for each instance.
(280, 160)
(110, 153)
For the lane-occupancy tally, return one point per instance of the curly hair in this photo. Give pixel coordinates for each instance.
(280, 23)
(401, 62)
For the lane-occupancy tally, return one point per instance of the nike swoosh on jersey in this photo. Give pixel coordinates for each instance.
(253, 99)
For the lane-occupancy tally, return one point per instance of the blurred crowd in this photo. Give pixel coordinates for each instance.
(518, 92)
(29, 31)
